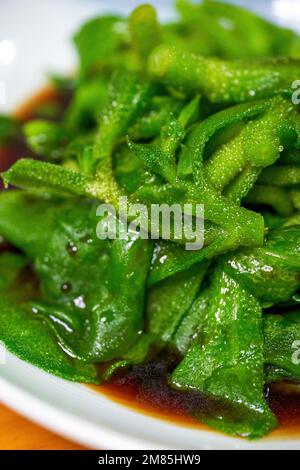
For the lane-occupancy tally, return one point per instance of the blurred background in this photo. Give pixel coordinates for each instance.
(35, 36)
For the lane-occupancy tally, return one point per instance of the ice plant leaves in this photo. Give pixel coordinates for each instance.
(96, 320)
(222, 81)
(97, 42)
(32, 340)
(226, 361)
(27, 335)
(197, 111)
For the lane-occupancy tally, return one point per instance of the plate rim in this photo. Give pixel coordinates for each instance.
(71, 426)
(37, 408)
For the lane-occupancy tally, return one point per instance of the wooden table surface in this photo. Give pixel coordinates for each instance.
(17, 433)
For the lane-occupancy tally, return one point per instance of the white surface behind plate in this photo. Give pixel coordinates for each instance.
(40, 33)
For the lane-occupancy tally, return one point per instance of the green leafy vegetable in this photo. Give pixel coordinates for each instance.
(46, 139)
(221, 81)
(38, 345)
(96, 321)
(97, 41)
(226, 361)
(198, 113)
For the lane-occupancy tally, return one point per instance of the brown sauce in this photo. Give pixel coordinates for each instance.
(29, 109)
(145, 388)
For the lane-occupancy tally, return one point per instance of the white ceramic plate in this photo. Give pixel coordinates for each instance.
(34, 39)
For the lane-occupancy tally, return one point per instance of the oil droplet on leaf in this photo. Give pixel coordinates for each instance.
(72, 248)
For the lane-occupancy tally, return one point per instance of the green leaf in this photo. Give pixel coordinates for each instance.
(11, 264)
(144, 30)
(154, 159)
(282, 340)
(241, 81)
(87, 103)
(226, 362)
(167, 304)
(160, 156)
(92, 290)
(128, 98)
(288, 175)
(149, 125)
(277, 199)
(33, 174)
(271, 273)
(26, 336)
(233, 32)
(169, 300)
(136, 355)
(203, 132)
(256, 146)
(16, 209)
(46, 139)
(97, 40)
(192, 323)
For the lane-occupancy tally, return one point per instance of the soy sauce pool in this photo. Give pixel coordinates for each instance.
(36, 107)
(145, 388)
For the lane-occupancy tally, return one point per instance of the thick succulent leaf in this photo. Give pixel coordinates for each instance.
(31, 339)
(11, 265)
(107, 312)
(225, 362)
(166, 306)
(144, 30)
(281, 348)
(240, 81)
(96, 41)
(271, 273)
